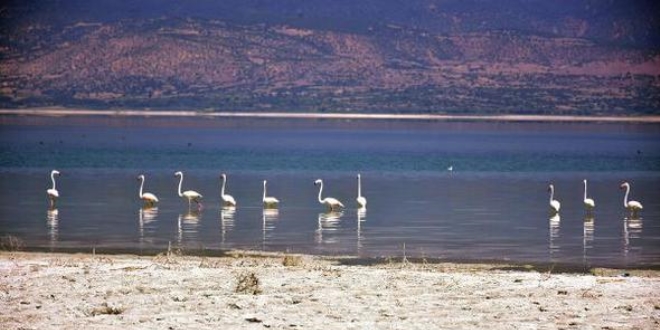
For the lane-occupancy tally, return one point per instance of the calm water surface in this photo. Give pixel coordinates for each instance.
(492, 206)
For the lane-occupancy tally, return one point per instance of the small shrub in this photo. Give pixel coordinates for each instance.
(248, 283)
(292, 261)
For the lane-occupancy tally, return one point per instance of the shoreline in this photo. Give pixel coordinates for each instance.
(350, 260)
(247, 291)
(331, 116)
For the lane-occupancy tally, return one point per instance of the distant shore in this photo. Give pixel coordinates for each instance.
(252, 291)
(333, 116)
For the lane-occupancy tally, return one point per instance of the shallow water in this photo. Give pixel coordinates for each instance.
(492, 206)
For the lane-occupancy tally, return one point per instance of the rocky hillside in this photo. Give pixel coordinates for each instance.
(565, 65)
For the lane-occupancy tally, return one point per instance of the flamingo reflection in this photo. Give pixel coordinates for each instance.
(146, 216)
(227, 216)
(554, 223)
(188, 224)
(269, 218)
(632, 229)
(52, 221)
(361, 216)
(328, 221)
(587, 235)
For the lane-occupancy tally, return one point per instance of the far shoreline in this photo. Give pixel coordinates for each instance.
(47, 112)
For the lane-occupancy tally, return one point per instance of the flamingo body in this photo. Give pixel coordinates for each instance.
(362, 202)
(149, 198)
(331, 203)
(53, 193)
(555, 205)
(192, 195)
(635, 205)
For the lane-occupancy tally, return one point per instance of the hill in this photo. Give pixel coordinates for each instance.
(486, 57)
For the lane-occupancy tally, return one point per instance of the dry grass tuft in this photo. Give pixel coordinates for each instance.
(170, 257)
(248, 283)
(11, 243)
(210, 263)
(292, 261)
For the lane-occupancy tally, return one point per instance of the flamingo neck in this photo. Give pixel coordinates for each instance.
(224, 182)
(180, 182)
(141, 185)
(359, 187)
(625, 197)
(264, 198)
(320, 190)
(585, 190)
(552, 193)
(52, 178)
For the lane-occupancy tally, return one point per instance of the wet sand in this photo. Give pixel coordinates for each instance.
(338, 116)
(243, 290)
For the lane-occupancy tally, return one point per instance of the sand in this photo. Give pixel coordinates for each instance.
(84, 291)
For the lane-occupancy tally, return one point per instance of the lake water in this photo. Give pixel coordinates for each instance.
(493, 206)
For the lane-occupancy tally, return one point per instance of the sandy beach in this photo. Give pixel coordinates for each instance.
(247, 291)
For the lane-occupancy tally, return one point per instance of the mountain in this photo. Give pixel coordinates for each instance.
(423, 56)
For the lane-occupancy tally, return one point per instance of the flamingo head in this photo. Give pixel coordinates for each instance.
(318, 182)
(358, 176)
(56, 172)
(223, 176)
(140, 177)
(264, 182)
(178, 173)
(551, 187)
(624, 185)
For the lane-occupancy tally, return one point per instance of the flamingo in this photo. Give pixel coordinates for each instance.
(589, 203)
(332, 203)
(362, 202)
(148, 198)
(554, 204)
(269, 201)
(227, 199)
(633, 206)
(53, 194)
(191, 195)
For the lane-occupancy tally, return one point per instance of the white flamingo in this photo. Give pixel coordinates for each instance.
(362, 202)
(589, 203)
(331, 203)
(148, 198)
(269, 201)
(228, 200)
(554, 204)
(191, 195)
(632, 206)
(52, 193)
